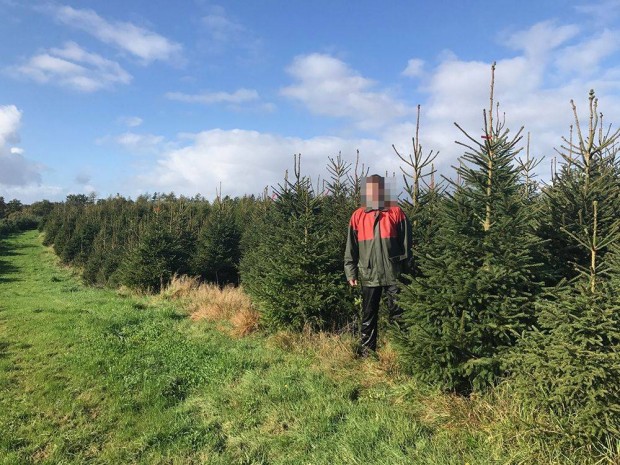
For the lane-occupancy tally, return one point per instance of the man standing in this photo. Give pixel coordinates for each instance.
(378, 250)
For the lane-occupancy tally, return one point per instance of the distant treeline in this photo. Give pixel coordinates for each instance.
(16, 217)
(512, 280)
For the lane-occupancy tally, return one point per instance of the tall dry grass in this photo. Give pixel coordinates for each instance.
(233, 312)
(207, 301)
(332, 352)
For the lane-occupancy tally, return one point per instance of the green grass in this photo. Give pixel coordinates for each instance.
(91, 376)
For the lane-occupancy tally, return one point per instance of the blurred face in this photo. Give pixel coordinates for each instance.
(372, 194)
(373, 191)
(378, 193)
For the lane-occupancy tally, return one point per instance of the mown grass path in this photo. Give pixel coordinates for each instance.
(90, 376)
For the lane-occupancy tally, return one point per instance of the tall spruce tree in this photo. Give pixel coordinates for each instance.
(572, 365)
(340, 198)
(294, 273)
(474, 291)
(423, 195)
(589, 172)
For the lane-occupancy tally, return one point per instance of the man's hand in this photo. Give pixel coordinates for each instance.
(353, 282)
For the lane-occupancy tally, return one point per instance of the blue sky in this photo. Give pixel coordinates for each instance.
(143, 96)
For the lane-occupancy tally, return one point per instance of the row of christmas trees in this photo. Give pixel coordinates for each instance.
(522, 283)
(143, 243)
(512, 280)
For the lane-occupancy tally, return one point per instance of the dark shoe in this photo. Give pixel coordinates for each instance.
(365, 352)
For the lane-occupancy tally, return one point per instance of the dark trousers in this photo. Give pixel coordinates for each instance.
(371, 296)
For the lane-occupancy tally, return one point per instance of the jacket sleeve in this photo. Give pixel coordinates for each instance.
(405, 234)
(351, 253)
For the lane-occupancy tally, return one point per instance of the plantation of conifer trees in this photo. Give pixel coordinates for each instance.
(513, 281)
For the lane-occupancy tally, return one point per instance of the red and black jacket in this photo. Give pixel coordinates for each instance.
(378, 246)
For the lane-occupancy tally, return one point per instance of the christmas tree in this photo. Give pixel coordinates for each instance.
(218, 250)
(294, 272)
(423, 195)
(571, 366)
(159, 253)
(474, 290)
(589, 173)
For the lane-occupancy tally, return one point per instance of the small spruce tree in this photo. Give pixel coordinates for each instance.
(217, 256)
(158, 255)
(340, 198)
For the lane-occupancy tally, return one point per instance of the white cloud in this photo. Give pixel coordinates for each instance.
(415, 68)
(136, 143)
(10, 119)
(225, 33)
(221, 27)
(585, 57)
(602, 11)
(455, 88)
(15, 169)
(534, 88)
(74, 68)
(207, 98)
(327, 86)
(247, 161)
(83, 178)
(542, 38)
(139, 142)
(33, 192)
(142, 43)
(130, 121)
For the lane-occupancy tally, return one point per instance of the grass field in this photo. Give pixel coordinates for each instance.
(94, 376)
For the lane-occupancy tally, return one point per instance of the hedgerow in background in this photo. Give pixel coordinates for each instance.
(62, 224)
(98, 235)
(16, 217)
(474, 292)
(8, 208)
(294, 272)
(117, 217)
(17, 223)
(78, 248)
(571, 366)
